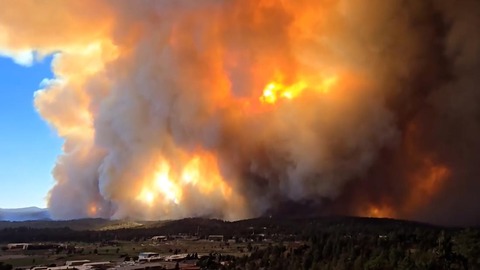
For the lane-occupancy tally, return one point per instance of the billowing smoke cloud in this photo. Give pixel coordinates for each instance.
(234, 109)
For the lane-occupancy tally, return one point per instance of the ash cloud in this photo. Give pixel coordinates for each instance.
(159, 106)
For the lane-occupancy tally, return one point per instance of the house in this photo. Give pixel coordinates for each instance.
(214, 237)
(160, 238)
(96, 265)
(76, 263)
(176, 258)
(18, 246)
(147, 256)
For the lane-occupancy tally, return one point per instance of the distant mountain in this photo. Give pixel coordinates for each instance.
(24, 214)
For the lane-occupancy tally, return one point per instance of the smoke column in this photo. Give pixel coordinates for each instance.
(235, 109)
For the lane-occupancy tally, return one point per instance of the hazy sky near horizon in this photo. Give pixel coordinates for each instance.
(28, 146)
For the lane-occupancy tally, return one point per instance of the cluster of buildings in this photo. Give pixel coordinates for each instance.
(164, 238)
(261, 237)
(145, 257)
(146, 260)
(175, 263)
(30, 246)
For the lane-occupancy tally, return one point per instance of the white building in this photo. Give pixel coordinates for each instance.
(160, 238)
(146, 256)
(76, 263)
(18, 246)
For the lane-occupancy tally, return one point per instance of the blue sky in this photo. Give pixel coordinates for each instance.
(28, 146)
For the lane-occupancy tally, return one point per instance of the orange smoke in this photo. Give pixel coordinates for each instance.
(430, 176)
(425, 184)
(92, 210)
(219, 108)
(425, 181)
(382, 211)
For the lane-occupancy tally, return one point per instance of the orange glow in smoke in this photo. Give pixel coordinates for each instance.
(434, 178)
(426, 183)
(275, 90)
(382, 211)
(428, 179)
(93, 210)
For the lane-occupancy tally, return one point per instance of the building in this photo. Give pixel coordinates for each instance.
(18, 246)
(76, 263)
(83, 265)
(96, 265)
(159, 266)
(160, 238)
(217, 237)
(146, 255)
(176, 258)
(61, 268)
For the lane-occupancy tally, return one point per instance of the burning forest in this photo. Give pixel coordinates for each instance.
(235, 109)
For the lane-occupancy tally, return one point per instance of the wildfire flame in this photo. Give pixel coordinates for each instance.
(276, 90)
(382, 211)
(197, 174)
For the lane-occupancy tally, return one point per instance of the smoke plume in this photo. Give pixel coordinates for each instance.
(234, 109)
